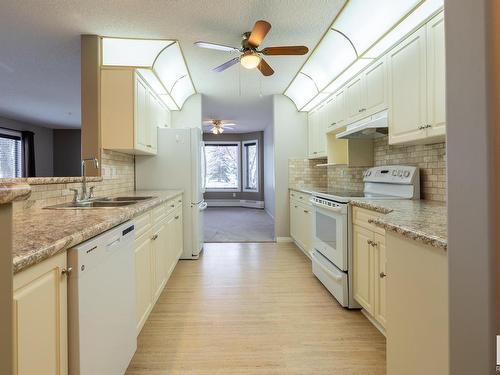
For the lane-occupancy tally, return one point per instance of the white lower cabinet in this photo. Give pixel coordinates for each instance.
(158, 247)
(301, 221)
(369, 262)
(40, 319)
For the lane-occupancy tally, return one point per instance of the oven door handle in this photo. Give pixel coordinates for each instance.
(335, 277)
(334, 209)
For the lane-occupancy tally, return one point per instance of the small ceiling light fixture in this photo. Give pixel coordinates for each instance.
(250, 60)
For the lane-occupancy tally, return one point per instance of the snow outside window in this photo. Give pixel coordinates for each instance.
(223, 166)
(251, 166)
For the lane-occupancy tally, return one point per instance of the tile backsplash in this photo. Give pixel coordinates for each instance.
(303, 172)
(431, 160)
(117, 177)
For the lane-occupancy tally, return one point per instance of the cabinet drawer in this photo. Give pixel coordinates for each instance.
(361, 217)
(159, 213)
(300, 197)
(142, 224)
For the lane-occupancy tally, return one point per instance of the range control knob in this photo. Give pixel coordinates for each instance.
(400, 173)
(406, 174)
(368, 173)
(394, 172)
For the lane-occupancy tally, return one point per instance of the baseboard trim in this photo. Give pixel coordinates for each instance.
(284, 239)
(373, 321)
(234, 203)
(267, 211)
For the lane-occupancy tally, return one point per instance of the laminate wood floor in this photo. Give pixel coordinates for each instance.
(254, 309)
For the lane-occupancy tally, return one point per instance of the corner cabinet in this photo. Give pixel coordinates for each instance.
(417, 86)
(369, 266)
(40, 318)
(130, 112)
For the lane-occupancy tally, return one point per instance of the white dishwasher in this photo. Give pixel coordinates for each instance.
(101, 294)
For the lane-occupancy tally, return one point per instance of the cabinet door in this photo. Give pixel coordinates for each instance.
(143, 279)
(307, 228)
(355, 99)
(171, 245)
(330, 108)
(408, 89)
(141, 111)
(339, 110)
(321, 129)
(311, 133)
(159, 257)
(363, 267)
(380, 279)
(179, 237)
(436, 77)
(375, 87)
(40, 319)
(294, 219)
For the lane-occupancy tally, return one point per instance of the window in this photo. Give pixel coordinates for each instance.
(11, 152)
(223, 166)
(251, 166)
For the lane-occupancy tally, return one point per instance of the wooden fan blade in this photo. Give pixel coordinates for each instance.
(226, 65)
(264, 68)
(285, 50)
(218, 47)
(259, 32)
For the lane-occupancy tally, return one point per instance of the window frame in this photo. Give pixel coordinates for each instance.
(15, 135)
(245, 166)
(226, 190)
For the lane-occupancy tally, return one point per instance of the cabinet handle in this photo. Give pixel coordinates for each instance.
(155, 236)
(428, 126)
(295, 206)
(382, 275)
(333, 123)
(306, 212)
(177, 217)
(66, 271)
(172, 205)
(362, 110)
(179, 201)
(371, 243)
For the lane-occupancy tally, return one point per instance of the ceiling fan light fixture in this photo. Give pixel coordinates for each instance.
(250, 60)
(214, 131)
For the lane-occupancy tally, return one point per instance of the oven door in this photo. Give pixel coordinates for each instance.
(330, 233)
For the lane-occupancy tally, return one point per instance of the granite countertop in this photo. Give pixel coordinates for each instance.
(419, 220)
(10, 192)
(41, 233)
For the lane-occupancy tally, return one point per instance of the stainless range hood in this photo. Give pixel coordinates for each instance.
(375, 126)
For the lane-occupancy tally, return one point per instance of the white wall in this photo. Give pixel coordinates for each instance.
(190, 116)
(43, 139)
(290, 141)
(470, 244)
(269, 169)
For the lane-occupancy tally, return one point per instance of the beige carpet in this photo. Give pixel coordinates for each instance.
(237, 224)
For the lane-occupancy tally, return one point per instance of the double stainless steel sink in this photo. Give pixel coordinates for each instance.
(106, 202)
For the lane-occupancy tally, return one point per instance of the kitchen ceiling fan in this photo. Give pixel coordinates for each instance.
(250, 56)
(218, 126)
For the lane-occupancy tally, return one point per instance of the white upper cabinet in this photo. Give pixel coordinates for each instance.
(436, 77)
(338, 110)
(317, 127)
(417, 86)
(130, 112)
(407, 89)
(355, 99)
(375, 78)
(366, 94)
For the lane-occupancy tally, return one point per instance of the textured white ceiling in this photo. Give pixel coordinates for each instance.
(40, 46)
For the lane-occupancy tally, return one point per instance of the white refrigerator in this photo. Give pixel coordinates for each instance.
(179, 164)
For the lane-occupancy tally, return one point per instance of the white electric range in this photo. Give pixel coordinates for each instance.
(332, 227)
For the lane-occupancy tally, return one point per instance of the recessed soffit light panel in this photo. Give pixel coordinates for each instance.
(131, 52)
(162, 66)
(369, 28)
